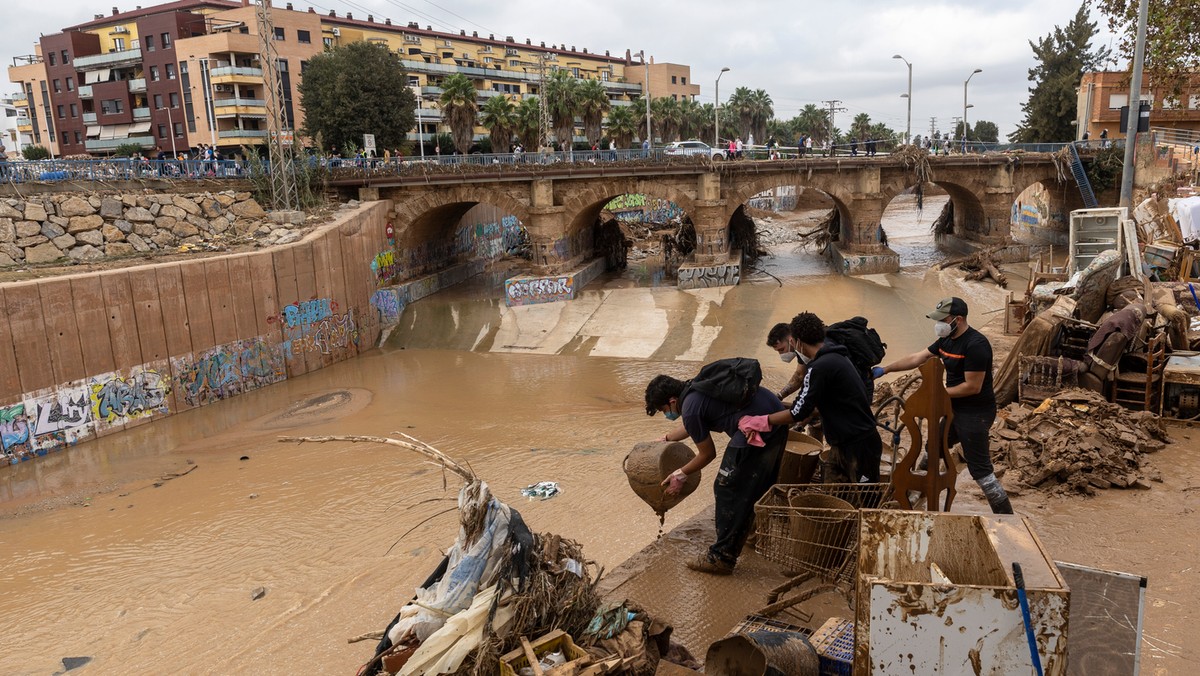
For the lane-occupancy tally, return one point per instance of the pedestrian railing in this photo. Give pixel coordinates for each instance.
(118, 169)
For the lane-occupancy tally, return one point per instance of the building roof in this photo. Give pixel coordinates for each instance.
(177, 6)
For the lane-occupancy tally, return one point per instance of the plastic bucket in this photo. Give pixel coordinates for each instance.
(649, 463)
(762, 653)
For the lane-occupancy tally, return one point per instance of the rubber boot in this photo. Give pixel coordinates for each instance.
(996, 496)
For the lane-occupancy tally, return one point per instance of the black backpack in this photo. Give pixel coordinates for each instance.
(861, 341)
(733, 381)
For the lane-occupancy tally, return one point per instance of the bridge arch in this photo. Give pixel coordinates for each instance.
(836, 191)
(583, 206)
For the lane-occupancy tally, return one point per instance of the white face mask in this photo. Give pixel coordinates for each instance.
(787, 357)
(942, 329)
(804, 359)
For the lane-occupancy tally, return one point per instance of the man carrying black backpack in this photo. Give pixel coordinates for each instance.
(720, 395)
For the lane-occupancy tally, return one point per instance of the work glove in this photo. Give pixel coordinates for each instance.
(877, 371)
(675, 482)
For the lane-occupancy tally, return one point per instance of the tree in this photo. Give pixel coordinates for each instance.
(593, 105)
(985, 131)
(623, 125)
(562, 100)
(359, 88)
(762, 110)
(34, 153)
(127, 150)
(666, 117)
(499, 115)
(860, 128)
(1172, 39)
(459, 110)
(741, 108)
(529, 122)
(1063, 56)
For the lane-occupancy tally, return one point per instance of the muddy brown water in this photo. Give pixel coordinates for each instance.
(102, 557)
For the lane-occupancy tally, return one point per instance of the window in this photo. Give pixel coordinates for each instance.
(111, 106)
(1194, 101)
(327, 42)
(575, 72)
(62, 111)
(487, 59)
(303, 67)
(675, 96)
(283, 67)
(157, 101)
(514, 62)
(674, 80)
(57, 86)
(66, 138)
(162, 131)
(279, 33)
(74, 110)
(118, 44)
(183, 67)
(166, 40)
(604, 75)
(66, 58)
(77, 137)
(170, 71)
(179, 129)
(414, 81)
(1117, 101)
(173, 97)
(506, 88)
(70, 83)
(10, 112)
(148, 41)
(683, 80)
(52, 60)
(304, 37)
(154, 74)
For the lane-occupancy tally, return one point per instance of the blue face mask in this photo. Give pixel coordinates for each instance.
(671, 415)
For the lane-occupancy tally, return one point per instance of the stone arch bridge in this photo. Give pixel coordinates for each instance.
(558, 203)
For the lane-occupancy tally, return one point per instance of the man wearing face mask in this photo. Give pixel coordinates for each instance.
(780, 339)
(967, 356)
(747, 471)
(832, 387)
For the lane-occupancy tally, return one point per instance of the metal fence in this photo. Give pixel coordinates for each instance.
(118, 169)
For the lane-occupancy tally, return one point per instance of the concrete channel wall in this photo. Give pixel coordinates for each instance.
(90, 354)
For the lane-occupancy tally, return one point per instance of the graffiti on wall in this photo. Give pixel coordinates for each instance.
(227, 370)
(16, 443)
(388, 305)
(305, 312)
(727, 274)
(315, 326)
(640, 209)
(60, 417)
(528, 291)
(384, 267)
(117, 399)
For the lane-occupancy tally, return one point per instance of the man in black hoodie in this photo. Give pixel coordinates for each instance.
(832, 386)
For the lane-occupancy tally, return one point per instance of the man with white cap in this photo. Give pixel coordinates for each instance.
(967, 356)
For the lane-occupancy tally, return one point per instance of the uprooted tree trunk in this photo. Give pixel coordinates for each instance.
(980, 265)
(743, 234)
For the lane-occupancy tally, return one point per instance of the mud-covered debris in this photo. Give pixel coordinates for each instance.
(1076, 442)
(258, 593)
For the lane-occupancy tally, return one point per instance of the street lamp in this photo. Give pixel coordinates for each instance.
(717, 109)
(965, 106)
(649, 132)
(908, 127)
(171, 126)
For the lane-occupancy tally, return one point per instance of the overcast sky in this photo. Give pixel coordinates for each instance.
(804, 52)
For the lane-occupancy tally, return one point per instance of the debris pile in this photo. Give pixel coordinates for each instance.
(980, 265)
(1076, 442)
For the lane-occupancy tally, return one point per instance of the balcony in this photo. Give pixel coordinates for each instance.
(89, 118)
(141, 114)
(137, 85)
(239, 135)
(20, 99)
(129, 57)
(236, 75)
(240, 103)
(105, 144)
(24, 124)
(85, 91)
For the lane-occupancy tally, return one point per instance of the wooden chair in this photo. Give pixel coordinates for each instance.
(1139, 381)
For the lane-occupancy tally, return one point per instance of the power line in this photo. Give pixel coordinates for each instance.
(461, 17)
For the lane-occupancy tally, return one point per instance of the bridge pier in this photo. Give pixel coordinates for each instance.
(860, 251)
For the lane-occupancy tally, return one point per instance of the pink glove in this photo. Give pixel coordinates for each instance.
(675, 482)
(752, 426)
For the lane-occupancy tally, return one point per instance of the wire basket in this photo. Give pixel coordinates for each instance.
(813, 528)
(756, 623)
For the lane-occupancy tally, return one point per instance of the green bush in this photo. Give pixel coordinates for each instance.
(127, 150)
(32, 153)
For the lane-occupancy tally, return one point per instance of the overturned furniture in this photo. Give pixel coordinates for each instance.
(935, 594)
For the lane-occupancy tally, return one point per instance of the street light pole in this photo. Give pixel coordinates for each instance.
(908, 125)
(171, 127)
(1135, 109)
(649, 131)
(964, 129)
(420, 128)
(717, 109)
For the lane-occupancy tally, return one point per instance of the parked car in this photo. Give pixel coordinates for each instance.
(695, 148)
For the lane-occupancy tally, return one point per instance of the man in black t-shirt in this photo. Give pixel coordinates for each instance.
(967, 356)
(747, 471)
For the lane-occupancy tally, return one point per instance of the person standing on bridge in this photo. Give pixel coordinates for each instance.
(967, 356)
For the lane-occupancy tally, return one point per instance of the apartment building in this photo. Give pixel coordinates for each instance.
(1103, 94)
(185, 73)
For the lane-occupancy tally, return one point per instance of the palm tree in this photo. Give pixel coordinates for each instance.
(668, 117)
(459, 110)
(702, 125)
(623, 125)
(529, 122)
(814, 121)
(593, 104)
(689, 118)
(499, 115)
(762, 109)
(562, 100)
(860, 128)
(741, 108)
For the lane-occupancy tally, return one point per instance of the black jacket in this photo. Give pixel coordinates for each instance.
(832, 386)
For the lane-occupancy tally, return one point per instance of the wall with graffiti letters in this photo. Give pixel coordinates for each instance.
(530, 290)
(116, 348)
(781, 198)
(1040, 217)
(643, 210)
(710, 276)
(483, 233)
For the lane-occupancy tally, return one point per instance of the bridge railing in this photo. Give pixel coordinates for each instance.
(118, 169)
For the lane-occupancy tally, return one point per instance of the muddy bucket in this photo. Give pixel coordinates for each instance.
(820, 529)
(762, 653)
(652, 461)
(801, 457)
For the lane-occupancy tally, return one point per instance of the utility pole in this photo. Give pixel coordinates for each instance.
(1135, 109)
(543, 109)
(649, 130)
(833, 110)
(932, 127)
(283, 176)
